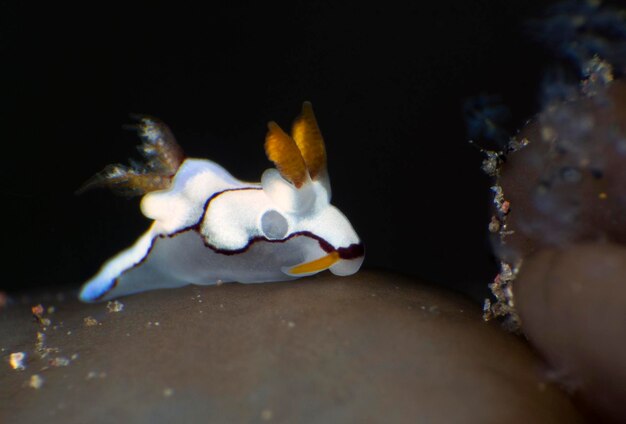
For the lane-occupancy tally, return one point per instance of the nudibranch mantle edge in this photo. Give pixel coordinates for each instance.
(209, 227)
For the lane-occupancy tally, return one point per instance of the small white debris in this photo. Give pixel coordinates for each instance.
(168, 391)
(267, 414)
(115, 306)
(17, 361)
(90, 321)
(36, 381)
(291, 324)
(491, 163)
(494, 225)
(598, 75)
(59, 361)
(515, 144)
(434, 309)
(93, 374)
(41, 348)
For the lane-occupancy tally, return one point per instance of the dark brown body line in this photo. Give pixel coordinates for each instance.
(352, 251)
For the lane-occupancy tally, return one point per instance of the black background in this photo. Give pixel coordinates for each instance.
(387, 81)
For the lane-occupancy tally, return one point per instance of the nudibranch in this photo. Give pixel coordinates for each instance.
(209, 227)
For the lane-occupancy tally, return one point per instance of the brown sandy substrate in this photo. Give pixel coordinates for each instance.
(373, 347)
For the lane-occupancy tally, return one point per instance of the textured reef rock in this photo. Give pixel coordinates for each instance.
(562, 181)
(559, 223)
(567, 184)
(564, 184)
(560, 233)
(567, 197)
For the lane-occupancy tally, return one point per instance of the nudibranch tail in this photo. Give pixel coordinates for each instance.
(308, 137)
(163, 156)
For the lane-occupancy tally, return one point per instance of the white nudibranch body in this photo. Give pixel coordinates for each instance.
(210, 227)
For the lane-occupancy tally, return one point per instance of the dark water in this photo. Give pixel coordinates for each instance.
(388, 83)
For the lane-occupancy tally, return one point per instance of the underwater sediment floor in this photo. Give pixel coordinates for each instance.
(373, 347)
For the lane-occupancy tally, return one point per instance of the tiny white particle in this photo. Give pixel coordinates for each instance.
(115, 306)
(59, 361)
(93, 374)
(267, 414)
(17, 361)
(90, 321)
(36, 381)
